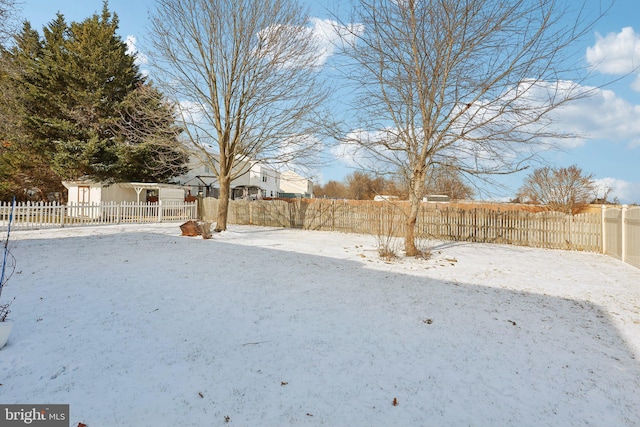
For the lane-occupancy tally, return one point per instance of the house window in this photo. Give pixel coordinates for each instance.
(264, 177)
(152, 196)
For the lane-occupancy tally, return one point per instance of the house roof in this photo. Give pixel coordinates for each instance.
(143, 185)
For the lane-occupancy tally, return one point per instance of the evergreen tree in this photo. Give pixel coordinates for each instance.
(25, 169)
(84, 110)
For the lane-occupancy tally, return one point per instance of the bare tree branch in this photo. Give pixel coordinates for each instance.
(245, 75)
(8, 12)
(468, 85)
(146, 127)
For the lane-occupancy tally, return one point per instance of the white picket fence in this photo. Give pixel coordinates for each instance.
(29, 216)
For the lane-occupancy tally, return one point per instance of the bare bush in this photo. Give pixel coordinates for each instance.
(568, 190)
(386, 237)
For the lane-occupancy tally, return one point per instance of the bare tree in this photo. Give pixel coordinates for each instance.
(447, 181)
(363, 186)
(469, 85)
(8, 11)
(332, 190)
(246, 75)
(147, 129)
(566, 190)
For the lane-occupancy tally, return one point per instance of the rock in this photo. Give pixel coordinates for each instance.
(205, 230)
(196, 228)
(190, 228)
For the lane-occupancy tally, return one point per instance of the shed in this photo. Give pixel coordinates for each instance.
(95, 193)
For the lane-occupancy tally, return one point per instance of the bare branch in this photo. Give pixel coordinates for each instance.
(466, 85)
(245, 75)
(8, 12)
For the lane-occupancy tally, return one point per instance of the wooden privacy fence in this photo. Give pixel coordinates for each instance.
(553, 230)
(52, 215)
(518, 227)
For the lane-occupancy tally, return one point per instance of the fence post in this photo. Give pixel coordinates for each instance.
(60, 209)
(604, 230)
(159, 210)
(569, 232)
(333, 215)
(623, 229)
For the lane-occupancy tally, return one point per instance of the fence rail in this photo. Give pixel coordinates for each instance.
(607, 232)
(41, 215)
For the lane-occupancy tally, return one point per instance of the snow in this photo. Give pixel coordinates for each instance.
(135, 325)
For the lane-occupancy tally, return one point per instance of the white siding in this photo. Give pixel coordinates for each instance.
(291, 182)
(171, 194)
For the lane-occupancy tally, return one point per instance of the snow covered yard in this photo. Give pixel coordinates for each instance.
(138, 326)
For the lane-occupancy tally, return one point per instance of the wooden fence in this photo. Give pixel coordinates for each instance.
(436, 221)
(53, 215)
(615, 231)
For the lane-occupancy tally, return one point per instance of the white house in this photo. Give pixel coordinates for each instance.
(294, 185)
(256, 180)
(260, 181)
(200, 179)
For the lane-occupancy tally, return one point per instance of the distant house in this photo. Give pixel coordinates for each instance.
(260, 181)
(385, 198)
(256, 181)
(93, 193)
(294, 185)
(200, 179)
(436, 198)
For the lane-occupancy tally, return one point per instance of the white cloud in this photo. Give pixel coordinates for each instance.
(599, 115)
(636, 84)
(604, 116)
(349, 154)
(132, 50)
(616, 54)
(325, 35)
(625, 191)
(192, 112)
(330, 35)
(362, 149)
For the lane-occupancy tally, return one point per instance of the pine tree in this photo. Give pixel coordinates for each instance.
(98, 75)
(25, 167)
(84, 110)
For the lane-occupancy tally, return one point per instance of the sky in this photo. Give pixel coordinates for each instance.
(610, 120)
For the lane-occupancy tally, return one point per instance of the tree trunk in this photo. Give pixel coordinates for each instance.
(410, 248)
(223, 204)
(415, 198)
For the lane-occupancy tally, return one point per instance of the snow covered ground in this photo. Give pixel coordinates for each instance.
(137, 326)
